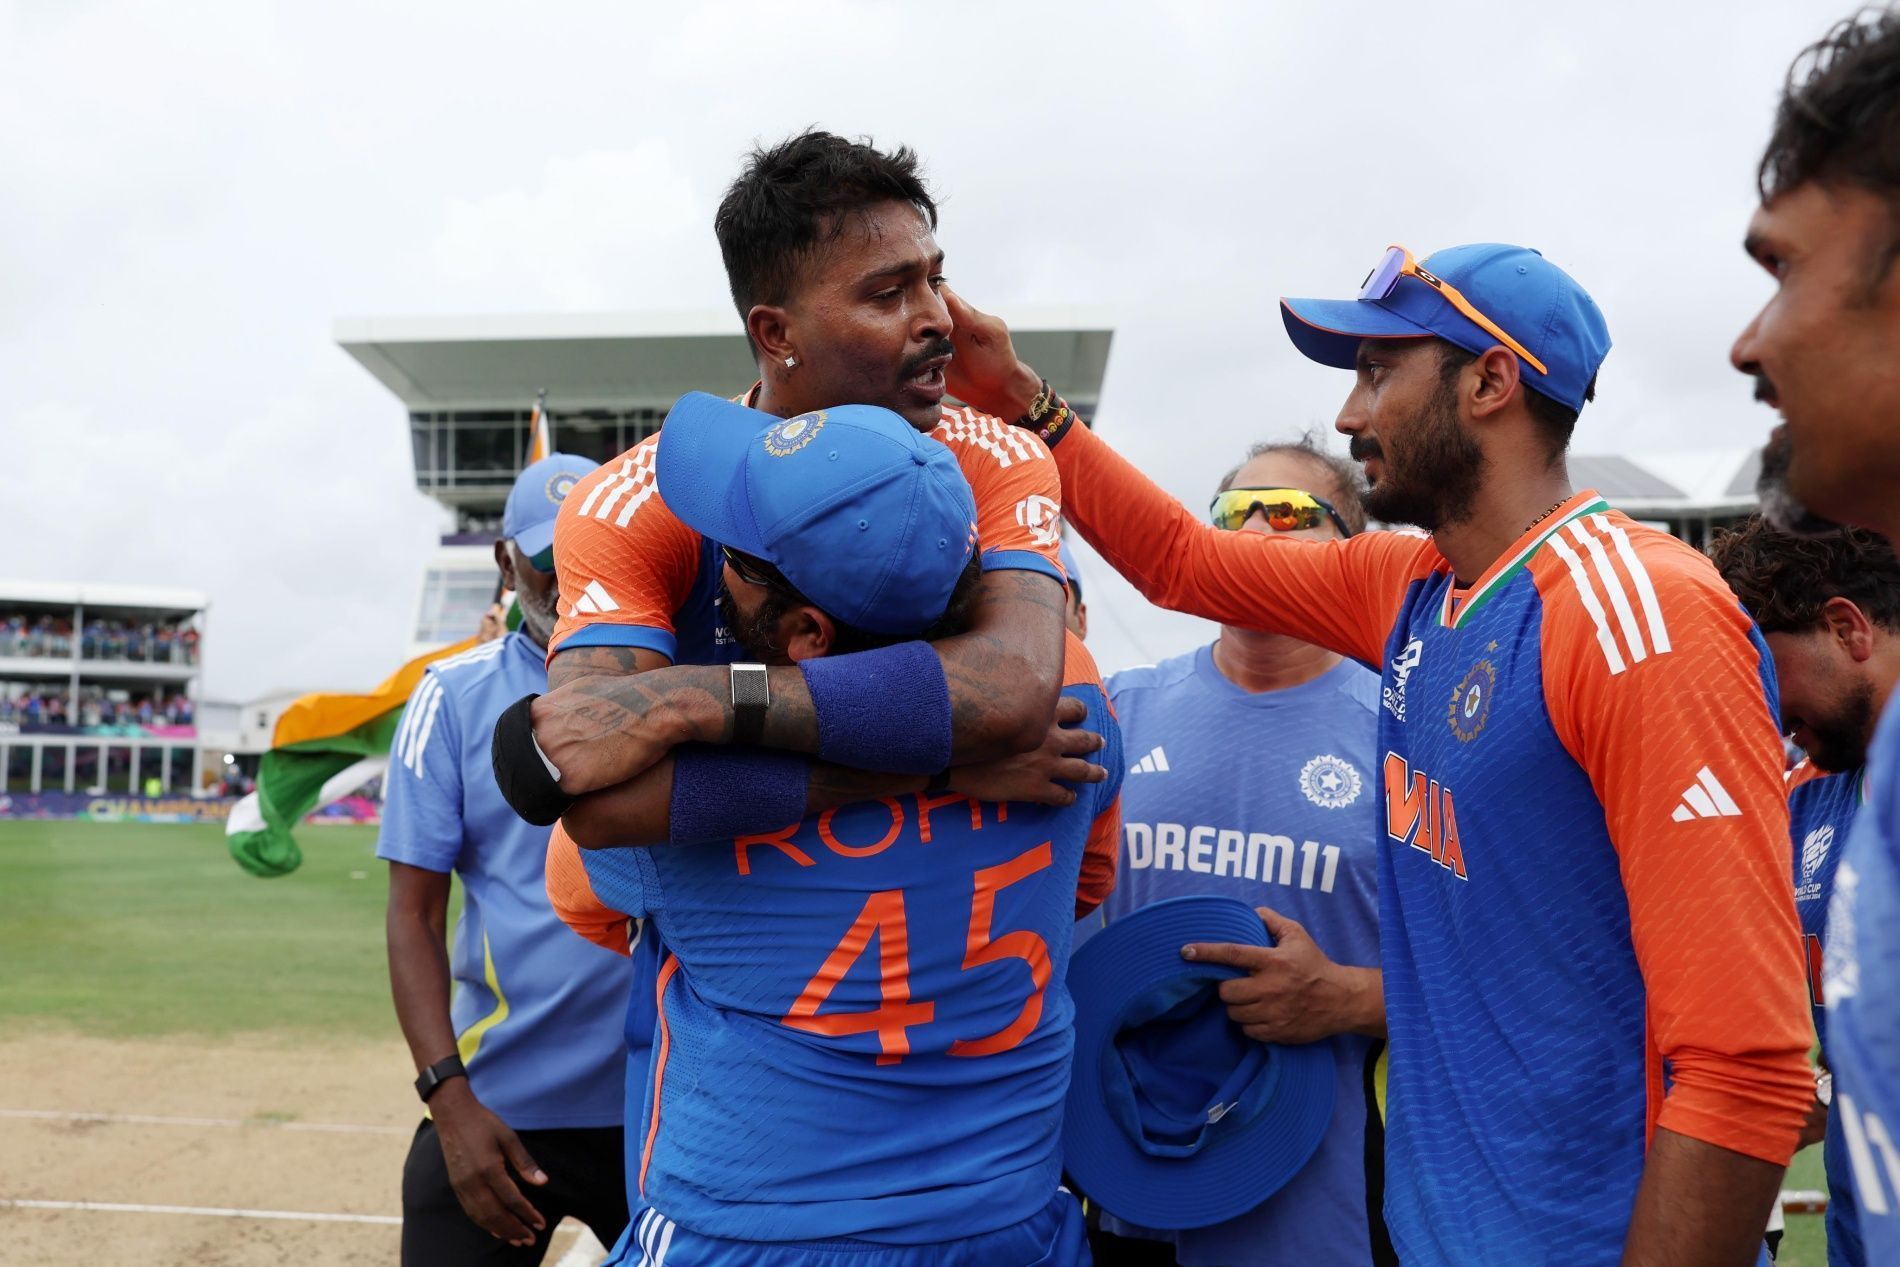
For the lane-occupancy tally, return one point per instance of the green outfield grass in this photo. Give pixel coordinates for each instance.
(144, 930)
(136, 929)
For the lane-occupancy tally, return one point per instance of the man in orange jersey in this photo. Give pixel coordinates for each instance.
(1584, 829)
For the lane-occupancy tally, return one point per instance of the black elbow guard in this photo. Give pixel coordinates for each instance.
(522, 773)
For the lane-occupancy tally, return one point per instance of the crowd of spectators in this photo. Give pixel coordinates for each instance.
(157, 642)
(42, 704)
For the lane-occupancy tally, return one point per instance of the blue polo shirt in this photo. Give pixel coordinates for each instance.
(537, 1010)
(1270, 798)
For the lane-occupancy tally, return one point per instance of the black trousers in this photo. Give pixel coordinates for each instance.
(587, 1178)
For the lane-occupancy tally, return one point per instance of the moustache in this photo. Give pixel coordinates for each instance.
(1765, 390)
(939, 346)
(1362, 448)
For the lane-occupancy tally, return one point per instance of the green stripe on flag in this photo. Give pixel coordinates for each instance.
(296, 780)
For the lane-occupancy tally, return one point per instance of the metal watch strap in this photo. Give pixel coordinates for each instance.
(751, 696)
(430, 1080)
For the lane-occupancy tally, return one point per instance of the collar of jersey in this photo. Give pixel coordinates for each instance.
(1518, 557)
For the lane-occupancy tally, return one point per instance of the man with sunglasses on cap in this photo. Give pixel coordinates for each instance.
(1253, 776)
(522, 1070)
(815, 1101)
(1583, 827)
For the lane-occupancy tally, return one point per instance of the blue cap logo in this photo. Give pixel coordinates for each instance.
(794, 434)
(561, 485)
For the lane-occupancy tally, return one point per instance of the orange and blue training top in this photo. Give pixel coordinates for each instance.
(1586, 915)
(864, 1031)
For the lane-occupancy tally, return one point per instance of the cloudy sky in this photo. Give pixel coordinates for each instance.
(196, 191)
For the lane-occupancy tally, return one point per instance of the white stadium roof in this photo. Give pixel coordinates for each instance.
(147, 598)
(646, 359)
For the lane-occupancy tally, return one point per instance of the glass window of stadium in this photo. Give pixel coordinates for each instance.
(453, 600)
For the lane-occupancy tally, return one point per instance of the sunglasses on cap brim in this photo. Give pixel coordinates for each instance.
(1397, 263)
(1286, 509)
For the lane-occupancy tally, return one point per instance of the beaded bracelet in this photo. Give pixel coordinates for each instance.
(1047, 405)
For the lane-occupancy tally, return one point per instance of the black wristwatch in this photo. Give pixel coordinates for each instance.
(751, 695)
(430, 1080)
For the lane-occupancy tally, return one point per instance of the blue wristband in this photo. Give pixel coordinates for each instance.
(719, 793)
(886, 710)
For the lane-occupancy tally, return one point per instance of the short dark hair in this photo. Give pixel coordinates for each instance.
(781, 596)
(1349, 483)
(799, 194)
(1839, 117)
(1785, 581)
(1554, 418)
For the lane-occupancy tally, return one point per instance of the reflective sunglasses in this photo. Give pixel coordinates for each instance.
(542, 562)
(1398, 262)
(1286, 509)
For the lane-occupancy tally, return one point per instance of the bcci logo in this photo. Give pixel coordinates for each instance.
(793, 434)
(560, 486)
(1329, 782)
(1471, 701)
(1814, 852)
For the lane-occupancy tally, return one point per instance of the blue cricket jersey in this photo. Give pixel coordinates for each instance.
(1271, 798)
(536, 1010)
(864, 1031)
(1862, 986)
(1585, 848)
(1821, 812)
(633, 575)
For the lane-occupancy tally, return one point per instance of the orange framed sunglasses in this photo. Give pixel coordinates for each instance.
(1398, 263)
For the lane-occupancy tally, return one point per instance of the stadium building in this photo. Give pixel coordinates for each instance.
(98, 692)
(469, 384)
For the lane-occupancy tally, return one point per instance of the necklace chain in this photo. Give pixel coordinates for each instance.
(1547, 514)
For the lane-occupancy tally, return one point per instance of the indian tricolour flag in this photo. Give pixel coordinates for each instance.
(325, 747)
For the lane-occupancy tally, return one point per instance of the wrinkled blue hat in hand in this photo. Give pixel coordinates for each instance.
(867, 517)
(1175, 1118)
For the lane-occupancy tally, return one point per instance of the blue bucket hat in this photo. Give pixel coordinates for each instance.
(1175, 1118)
(867, 517)
(1526, 295)
(535, 500)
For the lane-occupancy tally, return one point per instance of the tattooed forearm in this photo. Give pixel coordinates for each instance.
(571, 664)
(1006, 672)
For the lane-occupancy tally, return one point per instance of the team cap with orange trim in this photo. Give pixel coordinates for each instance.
(1515, 287)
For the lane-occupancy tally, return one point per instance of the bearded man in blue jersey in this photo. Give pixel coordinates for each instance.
(1823, 351)
(1252, 775)
(812, 1100)
(1829, 609)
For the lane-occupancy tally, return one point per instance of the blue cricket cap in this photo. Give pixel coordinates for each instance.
(1529, 298)
(1175, 1118)
(1066, 557)
(866, 516)
(536, 499)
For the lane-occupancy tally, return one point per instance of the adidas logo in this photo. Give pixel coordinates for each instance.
(593, 601)
(1156, 761)
(1706, 798)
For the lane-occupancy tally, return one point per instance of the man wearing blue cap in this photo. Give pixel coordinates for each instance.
(1583, 828)
(522, 1071)
(813, 1101)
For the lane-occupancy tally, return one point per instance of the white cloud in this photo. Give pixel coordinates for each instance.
(196, 191)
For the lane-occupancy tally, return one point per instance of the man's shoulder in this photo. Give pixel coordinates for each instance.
(612, 491)
(1144, 679)
(506, 663)
(1633, 591)
(975, 436)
